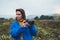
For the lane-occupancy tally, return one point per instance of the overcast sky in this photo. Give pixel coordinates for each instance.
(31, 7)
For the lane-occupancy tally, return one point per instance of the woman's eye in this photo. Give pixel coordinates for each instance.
(18, 14)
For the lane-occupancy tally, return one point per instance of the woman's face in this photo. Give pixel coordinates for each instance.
(18, 15)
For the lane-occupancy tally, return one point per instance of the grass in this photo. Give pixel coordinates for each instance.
(47, 30)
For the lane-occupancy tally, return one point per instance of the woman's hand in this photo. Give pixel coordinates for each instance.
(25, 23)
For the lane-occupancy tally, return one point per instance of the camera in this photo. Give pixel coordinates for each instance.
(31, 22)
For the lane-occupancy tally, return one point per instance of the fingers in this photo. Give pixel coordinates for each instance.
(25, 23)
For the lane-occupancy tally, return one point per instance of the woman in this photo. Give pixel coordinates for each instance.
(20, 29)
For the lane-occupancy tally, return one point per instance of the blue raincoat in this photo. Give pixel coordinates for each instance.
(28, 32)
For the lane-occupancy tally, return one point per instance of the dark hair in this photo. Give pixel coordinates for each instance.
(22, 12)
